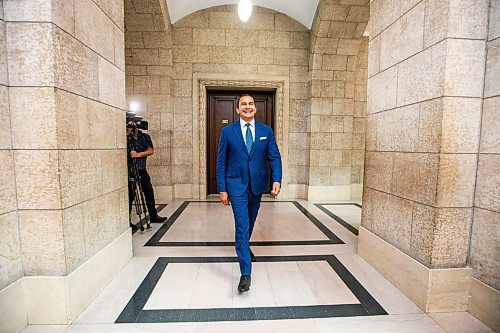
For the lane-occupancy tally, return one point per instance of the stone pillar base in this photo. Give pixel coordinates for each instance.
(433, 290)
(484, 303)
(59, 300)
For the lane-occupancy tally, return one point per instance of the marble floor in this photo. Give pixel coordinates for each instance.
(307, 278)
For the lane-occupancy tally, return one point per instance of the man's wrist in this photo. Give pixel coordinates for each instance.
(277, 183)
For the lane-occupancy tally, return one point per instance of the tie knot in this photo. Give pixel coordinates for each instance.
(247, 125)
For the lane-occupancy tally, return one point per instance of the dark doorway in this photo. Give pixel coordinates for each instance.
(222, 112)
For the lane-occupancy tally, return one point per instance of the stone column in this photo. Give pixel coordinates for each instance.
(148, 48)
(426, 68)
(485, 242)
(338, 77)
(67, 99)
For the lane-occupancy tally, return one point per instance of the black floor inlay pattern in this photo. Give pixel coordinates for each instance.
(155, 240)
(134, 312)
(346, 225)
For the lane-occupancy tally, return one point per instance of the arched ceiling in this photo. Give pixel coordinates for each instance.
(301, 10)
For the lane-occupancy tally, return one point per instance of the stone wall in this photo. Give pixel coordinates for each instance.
(148, 43)
(214, 41)
(10, 246)
(62, 86)
(485, 249)
(338, 72)
(424, 104)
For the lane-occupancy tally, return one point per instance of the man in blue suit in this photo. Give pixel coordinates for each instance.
(245, 149)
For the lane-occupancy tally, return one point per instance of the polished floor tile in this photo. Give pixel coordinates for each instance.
(192, 287)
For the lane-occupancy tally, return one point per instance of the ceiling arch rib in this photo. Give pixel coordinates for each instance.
(300, 10)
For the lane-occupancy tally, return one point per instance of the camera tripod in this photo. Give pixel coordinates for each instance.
(134, 178)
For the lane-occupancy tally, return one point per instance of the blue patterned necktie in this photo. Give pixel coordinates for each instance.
(249, 138)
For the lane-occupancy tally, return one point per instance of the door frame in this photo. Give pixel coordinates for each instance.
(202, 82)
(269, 120)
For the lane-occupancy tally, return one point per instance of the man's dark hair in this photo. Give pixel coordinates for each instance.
(244, 95)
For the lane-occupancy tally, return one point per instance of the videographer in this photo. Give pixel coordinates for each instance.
(141, 146)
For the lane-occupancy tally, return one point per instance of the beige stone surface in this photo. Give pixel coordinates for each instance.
(119, 49)
(451, 237)
(80, 176)
(31, 109)
(102, 218)
(37, 179)
(111, 84)
(10, 247)
(5, 132)
(494, 20)
(3, 55)
(483, 303)
(94, 28)
(115, 10)
(8, 201)
(422, 77)
(398, 129)
(37, 228)
(74, 237)
(436, 21)
(461, 125)
(464, 71)
(448, 290)
(371, 131)
(382, 14)
(30, 64)
(490, 139)
(382, 91)
(488, 182)
(374, 49)
(456, 178)
(492, 75)
(403, 39)
(378, 170)
(422, 229)
(76, 65)
(28, 10)
(430, 124)
(415, 176)
(484, 247)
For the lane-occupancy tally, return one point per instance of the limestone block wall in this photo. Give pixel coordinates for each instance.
(148, 48)
(66, 96)
(10, 245)
(425, 86)
(214, 41)
(338, 72)
(484, 248)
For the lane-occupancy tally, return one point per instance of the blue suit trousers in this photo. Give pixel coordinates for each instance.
(245, 209)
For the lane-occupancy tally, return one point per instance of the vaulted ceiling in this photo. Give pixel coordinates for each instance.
(301, 10)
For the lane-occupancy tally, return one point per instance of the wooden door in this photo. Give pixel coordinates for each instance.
(222, 112)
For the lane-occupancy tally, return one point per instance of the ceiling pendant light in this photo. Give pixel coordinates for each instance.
(244, 10)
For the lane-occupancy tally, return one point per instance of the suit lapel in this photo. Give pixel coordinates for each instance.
(239, 135)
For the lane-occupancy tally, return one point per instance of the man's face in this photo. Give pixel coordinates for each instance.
(246, 108)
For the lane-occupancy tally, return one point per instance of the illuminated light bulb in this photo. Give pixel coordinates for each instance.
(244, 10)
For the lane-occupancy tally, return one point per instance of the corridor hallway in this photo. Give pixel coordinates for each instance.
(308, 278)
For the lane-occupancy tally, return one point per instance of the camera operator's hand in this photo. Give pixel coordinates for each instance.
(133, 153)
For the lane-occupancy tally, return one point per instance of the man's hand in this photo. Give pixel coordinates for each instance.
(135, 154)
(276, 190)
(224, 198)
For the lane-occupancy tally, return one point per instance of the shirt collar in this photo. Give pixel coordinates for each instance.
(243, 123)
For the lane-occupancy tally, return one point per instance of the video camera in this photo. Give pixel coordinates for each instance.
(135, 121)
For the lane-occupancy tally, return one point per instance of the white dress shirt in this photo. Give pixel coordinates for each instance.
(244, 129)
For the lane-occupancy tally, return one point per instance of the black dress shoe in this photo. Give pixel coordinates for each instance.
(133, 226)
(159, 219)
(245, 282)
(252, 256)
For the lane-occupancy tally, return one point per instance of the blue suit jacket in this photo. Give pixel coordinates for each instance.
(236, 167)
